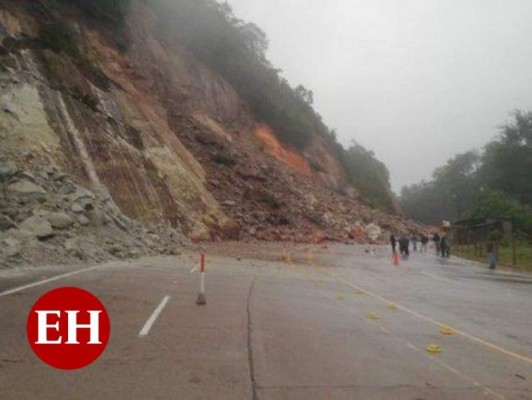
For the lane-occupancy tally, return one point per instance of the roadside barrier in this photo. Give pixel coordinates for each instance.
(201, 300)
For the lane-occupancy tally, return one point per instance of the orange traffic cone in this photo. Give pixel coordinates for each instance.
(395, 259)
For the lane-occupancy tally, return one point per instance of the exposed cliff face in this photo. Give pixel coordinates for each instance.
(112, 131)
(163, 136)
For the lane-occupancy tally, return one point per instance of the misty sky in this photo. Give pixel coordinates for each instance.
(417, 81)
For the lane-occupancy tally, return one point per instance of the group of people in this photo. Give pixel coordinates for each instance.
(441, 243)
(404, 243)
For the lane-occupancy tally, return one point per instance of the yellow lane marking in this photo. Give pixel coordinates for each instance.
(443, 364)
(392, 305)
(483, 342)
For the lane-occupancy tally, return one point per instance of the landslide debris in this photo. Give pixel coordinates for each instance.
(46, 218)
(271, 201)
(115, 143)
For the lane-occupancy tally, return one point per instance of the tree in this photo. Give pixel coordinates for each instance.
(507, 161)
(107, 8)
(493, 204)
(453, 191)
(368, 175)
(494, 184)
(304, 94)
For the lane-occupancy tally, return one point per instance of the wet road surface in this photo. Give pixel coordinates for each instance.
(310, 323)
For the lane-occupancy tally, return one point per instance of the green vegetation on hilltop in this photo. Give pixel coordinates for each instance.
(109, 8)
(369, 175)
(237, 50)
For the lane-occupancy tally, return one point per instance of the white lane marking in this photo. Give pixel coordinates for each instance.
(193, 270)
(55, 278)
(149, 323)
(440, 277)
(382, 328)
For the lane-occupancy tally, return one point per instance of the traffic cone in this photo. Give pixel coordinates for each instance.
(395, 259)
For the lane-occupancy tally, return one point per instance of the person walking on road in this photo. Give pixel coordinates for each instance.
(445, 246)
(424, 241)
(393, 242)
(403, 246)
(414, 240)
(436, 239)
(491, 255)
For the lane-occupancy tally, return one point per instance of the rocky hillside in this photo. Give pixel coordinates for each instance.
(117, 142)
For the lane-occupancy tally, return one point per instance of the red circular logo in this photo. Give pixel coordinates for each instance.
(68, 328)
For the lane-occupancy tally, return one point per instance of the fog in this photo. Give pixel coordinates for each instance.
(416, 81)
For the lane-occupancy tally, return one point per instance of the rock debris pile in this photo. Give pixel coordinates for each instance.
(47, 218)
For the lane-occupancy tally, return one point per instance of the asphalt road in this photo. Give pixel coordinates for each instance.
(318, 323)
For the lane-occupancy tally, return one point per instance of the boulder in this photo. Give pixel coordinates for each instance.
(79, 194)
(21, 235)
(6, 223)
(76, 208)
(97, 217)
(83, 220)
(7, 170)
(48, 170)
(60, 220)
(373, 232)
(38, 226)
(71, 245)
(200, 233)
(59, 176)
(27, 190)
(10, 247)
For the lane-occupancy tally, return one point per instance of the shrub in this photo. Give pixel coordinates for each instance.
(86, 98)
(224, 159)
(269, 199)
(60, 38)
(52, 64)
